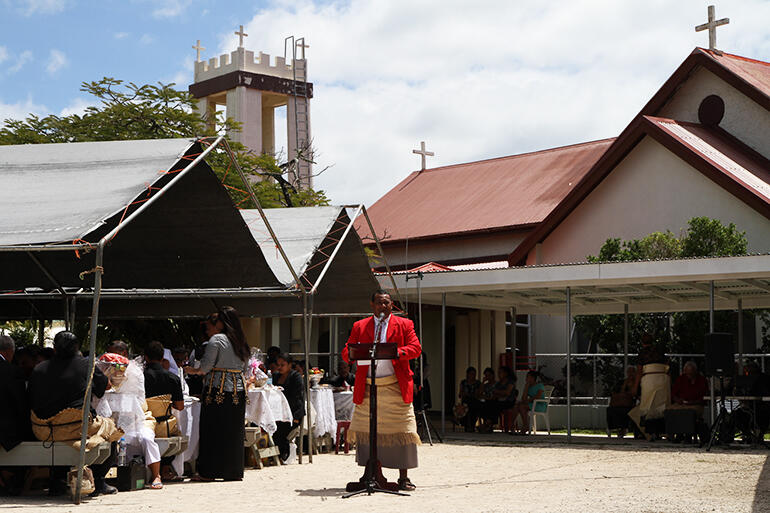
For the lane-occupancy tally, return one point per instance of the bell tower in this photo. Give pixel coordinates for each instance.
(250, 89)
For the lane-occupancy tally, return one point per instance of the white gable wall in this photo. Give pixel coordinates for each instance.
(743, 118)
(650, 190)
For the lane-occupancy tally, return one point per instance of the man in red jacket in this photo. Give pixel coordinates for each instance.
(397, 437)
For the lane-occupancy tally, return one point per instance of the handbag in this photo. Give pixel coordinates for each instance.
(165, 422)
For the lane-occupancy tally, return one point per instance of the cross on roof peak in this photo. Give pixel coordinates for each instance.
(197, 47)
(241, 34)
(711, 25)
(423, 153)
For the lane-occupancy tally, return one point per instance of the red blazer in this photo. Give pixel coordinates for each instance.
(401, 331)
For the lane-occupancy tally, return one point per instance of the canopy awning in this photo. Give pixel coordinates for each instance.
(602, 288)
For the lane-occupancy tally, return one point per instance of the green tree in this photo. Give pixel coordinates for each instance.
(126, 111)
(681, 332)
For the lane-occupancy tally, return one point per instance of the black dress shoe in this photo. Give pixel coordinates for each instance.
(103, 489)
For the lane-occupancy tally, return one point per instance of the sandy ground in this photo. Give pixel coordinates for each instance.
(500, 475)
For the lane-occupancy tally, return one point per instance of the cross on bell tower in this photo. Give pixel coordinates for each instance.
(711, 25)
(251, 88)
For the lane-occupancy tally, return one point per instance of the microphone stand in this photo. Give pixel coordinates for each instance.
(373, 480)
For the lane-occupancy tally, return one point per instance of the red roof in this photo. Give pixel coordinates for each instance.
(755, 73)
(489, 195)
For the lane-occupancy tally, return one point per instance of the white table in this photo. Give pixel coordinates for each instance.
(325, 422)
(188, 421)
(267, 405)
(343, 405)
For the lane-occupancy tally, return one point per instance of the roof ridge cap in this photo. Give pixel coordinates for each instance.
(711, 54)
(517, 155)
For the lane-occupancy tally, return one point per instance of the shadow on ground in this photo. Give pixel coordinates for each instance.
(323, 492)
(762, 491)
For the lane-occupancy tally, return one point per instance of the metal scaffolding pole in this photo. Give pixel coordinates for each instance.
(443, 363)
(569, 361)
(625, 338)
(98, 271)
(740, 336)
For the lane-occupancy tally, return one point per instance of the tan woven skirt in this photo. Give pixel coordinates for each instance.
(397, 437)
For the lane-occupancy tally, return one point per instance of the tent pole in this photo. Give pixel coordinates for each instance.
(711, 330)
(98, 270)
(443, 363)
(514, 341)
(625, 338)
(308, 310)
(569, 361)
(740, 336)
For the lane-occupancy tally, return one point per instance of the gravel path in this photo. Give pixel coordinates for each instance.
(464, 477)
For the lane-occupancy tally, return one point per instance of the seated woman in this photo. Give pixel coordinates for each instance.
(503, 395)
(484, 396)
(532, 390)
(469, 391)
(294, 390)
(622, 400)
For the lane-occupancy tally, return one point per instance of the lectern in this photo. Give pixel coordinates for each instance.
(372, 481)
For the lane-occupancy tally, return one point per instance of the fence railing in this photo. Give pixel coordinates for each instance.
(599, 398)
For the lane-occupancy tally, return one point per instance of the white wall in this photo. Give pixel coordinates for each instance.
(650, 190)
(744, 118)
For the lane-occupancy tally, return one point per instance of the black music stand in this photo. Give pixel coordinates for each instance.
(373, 480)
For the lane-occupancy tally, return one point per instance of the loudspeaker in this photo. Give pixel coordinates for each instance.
(719, 349)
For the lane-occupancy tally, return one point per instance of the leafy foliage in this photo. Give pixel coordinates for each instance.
(680, 332)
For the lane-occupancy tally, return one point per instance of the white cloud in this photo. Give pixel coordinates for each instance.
(23, 58)
(21, 110)
(120, 35)
(3, 53)
(482, 79)
(146, 39)
(170, 8)
(56, 61)
(30, 7)
(76, 106)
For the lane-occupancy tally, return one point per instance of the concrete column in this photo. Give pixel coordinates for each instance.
(268, 130)
(207, 110)
(485, 340)
(244, 105)
(275, 331)
(498, 344)
(473, 339)
(462, 360)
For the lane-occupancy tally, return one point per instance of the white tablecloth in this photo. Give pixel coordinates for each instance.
(343, 405)
(189, 426)
(267, 406)
(322, 400)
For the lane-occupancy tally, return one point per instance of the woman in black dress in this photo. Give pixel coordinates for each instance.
(223, 405)
(294, 390)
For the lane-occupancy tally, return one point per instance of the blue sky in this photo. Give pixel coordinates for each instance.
(474, 79)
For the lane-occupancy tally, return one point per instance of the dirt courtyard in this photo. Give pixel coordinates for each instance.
(471, 477)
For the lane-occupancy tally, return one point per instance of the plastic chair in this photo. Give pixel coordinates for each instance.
(533, 415)
(342, 436)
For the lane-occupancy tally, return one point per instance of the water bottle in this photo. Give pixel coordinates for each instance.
(122, 458)
(269, 377)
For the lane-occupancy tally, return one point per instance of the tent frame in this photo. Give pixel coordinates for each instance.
(98, 293)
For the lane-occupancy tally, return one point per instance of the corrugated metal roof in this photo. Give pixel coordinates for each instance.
(756, 73)
(300, 231)
(514, 191)
(61, 192)
(726, 156)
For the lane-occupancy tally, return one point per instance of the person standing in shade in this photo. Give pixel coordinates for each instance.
(223, 406)
(397, 437)
(294, 389)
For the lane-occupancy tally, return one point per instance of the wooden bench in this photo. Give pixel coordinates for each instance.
(251, 441)
(60, 454)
